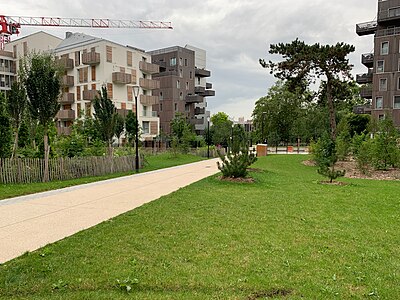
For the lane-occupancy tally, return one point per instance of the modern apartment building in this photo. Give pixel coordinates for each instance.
(381, 83)
(90, 63)
(183, 86)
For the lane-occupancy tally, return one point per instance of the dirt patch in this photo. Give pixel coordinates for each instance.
(241, 180)
(352, 171)
(269, 294)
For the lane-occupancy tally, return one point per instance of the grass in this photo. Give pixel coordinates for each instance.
(285, 235)
(155, 162)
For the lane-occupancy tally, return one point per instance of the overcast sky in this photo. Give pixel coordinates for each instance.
(235, 34)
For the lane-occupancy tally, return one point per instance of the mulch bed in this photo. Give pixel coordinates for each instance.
(241, 180)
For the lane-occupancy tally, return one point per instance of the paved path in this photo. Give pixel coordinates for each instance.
(30, 222)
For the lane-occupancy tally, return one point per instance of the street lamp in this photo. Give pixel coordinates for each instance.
(233, 125)
(262, 120)
(136, 90)
(208, 137)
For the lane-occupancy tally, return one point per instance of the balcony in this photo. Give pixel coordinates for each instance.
(366, 28)
(91, 58)
(199, 111)
(67, 98)
(90, 94)
(202, 72)
(149, 84)
(67, 114)
(362, 109)
(149, 100)
(209, 93)
(194, 99)
(148, 68)
(364, 78)
(121, 78)
(199, 89)
(66, 63)
(149, 114)
(166, 73)
(208, 85)
(6, 53)
(388, 32)
(64, 130)
(68, 80)
(389, 15)
(367, 60)
(366, 92)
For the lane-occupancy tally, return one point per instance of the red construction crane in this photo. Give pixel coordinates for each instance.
(11, 25)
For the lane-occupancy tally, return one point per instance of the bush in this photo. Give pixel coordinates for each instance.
(235, 164)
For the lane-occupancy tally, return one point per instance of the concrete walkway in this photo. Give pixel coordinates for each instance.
(30, 222)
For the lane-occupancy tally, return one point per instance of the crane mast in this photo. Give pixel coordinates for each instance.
(10, 25)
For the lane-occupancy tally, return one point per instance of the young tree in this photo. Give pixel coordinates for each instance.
(119, 126)
(302, 63)
(181, 133)
(16, 104)
(5, 129)
(41, 77)
(221, 129)
(105, 116)
(131, 127)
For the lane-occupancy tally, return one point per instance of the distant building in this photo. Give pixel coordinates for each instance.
(183, 87)
(382, 81)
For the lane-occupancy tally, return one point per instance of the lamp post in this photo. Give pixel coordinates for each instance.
(262, 120)
(208, 137)
(136, 90)
(233, 125)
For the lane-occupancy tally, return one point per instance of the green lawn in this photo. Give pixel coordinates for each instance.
(155, 162)
(285, 234)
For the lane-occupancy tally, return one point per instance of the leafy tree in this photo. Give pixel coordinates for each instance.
(303, 63)
(221, 129)
(119, 126)
(41, 77)
(105, 116)
(131, 127)
(181, 133)
(16, 105)
(5, 129)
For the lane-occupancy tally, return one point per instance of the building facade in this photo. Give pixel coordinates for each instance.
(91, 63)
(183, 86)
(381, 83)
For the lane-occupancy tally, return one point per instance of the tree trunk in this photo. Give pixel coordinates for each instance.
(332, 118)
(14, 151)
(46, 156)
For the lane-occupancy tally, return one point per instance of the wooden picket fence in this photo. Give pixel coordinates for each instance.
(30, 170)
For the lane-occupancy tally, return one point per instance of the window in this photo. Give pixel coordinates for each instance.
(396, 103)
(381, 117)
(109, 54)
(180, 73)
(380, 67)
(191, 74)
(383, 84)
(186, 62)
(384, 48)
(187, 85)
(379, 102)
(180, 96)
(178, 84)
(172, 61)
(146, 127)
(176, 106)
(180, 61)
(160, 106)
(161, 96)
(398, 83)
(394, 12)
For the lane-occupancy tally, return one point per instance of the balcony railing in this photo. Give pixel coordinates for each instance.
(149, 84)
(121, 78)
(91, 58)
(199, 89)
(367, 60)
(6, 53)
(388, 32)
(146, 67)
(149, 100)
(209, 93)
(199, 111)
(202, 72)
(64, 130)
(391, 14)
(68, 80)
(364, 78)
(208, 85)
(67, 114)
(149, 114)
(66, 63)
(366, 28)
(90, 94)
(194, 99)
(67, 98)
(366, 92)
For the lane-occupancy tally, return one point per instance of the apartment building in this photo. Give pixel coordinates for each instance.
(9, 58)
(183, 87)
(381, 83)
(90, 63)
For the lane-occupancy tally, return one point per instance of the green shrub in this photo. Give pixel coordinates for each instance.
(235, 164)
